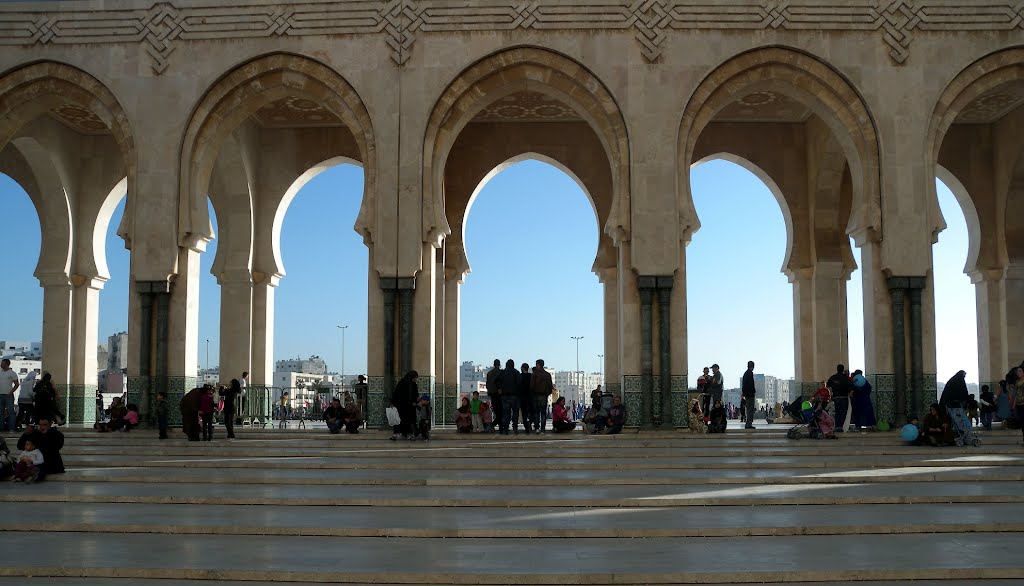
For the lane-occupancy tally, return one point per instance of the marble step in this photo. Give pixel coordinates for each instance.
(500, 561)
(583, 476)
(742, 495)
(21, 581)
(503, 522)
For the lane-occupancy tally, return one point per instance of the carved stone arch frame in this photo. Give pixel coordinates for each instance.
(989, 72)
(507, 72)
(31, 90)
(242, 92)
(815, 84)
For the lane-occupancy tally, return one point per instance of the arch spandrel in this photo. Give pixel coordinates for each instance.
(809, 81)
(240, 94)
(505, 73)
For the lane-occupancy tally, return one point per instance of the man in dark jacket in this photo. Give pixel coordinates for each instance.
(749, 394)
(334, 415)
(48, 440)
(405, 398)
(508, 385)
(541, 387)
(525, 398)
(839, 384)
(494, 393)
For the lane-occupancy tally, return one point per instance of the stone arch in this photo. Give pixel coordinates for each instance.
(963, 197)
(286, 201)
(242, 92)
(772, 186)
(507, 72)
(32, 90)
(814, 83)
(99, 229)
(462, 264)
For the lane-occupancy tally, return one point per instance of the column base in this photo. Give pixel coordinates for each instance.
(632, 398)
(80, 404)
(377, 399)
(680, 391)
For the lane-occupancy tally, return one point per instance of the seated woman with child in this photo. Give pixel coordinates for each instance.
(463, 417)
(560, 421)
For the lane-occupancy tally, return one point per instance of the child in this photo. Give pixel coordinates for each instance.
(487, 415)
(911, 432)
(29, 462)
(161, 414)
(972, 409)
(463, 421)
(129, 420)
(423, 418)
(475, 407)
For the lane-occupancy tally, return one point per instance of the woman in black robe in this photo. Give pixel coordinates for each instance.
(405, 398)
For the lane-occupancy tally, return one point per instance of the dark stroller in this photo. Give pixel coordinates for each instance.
(805, 412)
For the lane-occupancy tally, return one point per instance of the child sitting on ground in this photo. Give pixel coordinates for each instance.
(129, 420)
(27, 469)
(423, 418)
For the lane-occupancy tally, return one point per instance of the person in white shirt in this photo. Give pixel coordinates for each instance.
(9, 383)
(26, 396)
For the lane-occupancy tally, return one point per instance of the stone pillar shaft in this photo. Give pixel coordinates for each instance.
(899, 355)
(57, 303)
(990, 298)
(1014, 314)
(647, 355)
(665, 347)
(261, 359)
(236, 326)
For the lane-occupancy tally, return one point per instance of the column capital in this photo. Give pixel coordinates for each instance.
(991, 275)
(53, 279)
(88, 281)
(235, 277)
(270, 279)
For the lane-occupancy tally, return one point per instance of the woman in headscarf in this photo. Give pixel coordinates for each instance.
(463, 418)
(863, 410)
(697, 417)
(718, 419)
(405, 398)
(937, 430)
(46, 400)
(1002, 402)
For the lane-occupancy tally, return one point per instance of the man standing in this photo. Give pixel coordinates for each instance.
(839, 384)
(715, 384)
(9, 383)
(508, 384)
(525, 399)
(541, 388)
(749, 394)
(362, 391)
(494, 393)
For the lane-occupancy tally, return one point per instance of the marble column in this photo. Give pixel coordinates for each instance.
(629, 347)
(424, 319)
(452, 325)
(612, 374)
(990, 300)
(803, 324)
(57, 304)
(646, 287)
(831, 342)
(261, 356)
(879, 334)
(183, 326)
(406, 289)
(1014, 314)
(81, 393)
(236, 324)
(664, 288)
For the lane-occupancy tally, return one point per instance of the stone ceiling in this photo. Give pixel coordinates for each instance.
(764, 107)
(993, 104)
(295, 112)
(79, 119)
(527, 107)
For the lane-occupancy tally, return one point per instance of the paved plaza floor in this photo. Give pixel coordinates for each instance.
(650, 507)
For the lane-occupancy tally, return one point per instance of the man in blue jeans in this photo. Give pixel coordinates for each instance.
(508, 383)
(9, 383)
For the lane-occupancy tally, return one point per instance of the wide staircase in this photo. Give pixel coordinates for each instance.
(638, 508)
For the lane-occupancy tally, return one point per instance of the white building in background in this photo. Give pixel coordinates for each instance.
(209, 375)
(575, 385)
(311, 365)
(470, 374)
(29, 350)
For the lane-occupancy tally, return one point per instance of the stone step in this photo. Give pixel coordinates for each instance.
(587, 476)
(503, 522)
(744, 495)
(524, 561)
(21, 581)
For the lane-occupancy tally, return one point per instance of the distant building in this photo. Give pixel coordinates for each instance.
(101, 357)
(575, 385)
(311, 365)
(12, 348)
(469, 375)
(210, 375)
(117, 352)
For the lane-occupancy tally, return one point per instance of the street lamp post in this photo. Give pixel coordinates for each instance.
(207, 354)
(579, 383)
(600, 358)
(343, 328)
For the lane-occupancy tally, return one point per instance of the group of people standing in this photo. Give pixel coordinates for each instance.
(522, 393)
(24, 402)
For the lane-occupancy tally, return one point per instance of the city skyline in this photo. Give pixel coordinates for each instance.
(325, 284)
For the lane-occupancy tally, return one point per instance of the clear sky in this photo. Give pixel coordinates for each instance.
(531, 237)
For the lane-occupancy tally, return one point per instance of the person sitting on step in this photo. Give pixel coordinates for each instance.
(595, 419)
(333, 415)
(718, 421)
(29, 463)
(463, 418)
(560, 421)
(351, 416)
(616, 416)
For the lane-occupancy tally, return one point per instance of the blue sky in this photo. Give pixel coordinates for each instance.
(526, 296)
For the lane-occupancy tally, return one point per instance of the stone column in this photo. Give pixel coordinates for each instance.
(182, 357)
(646, 287)
(236, 325)
(918, 400)
(803, 326)
(990, 299)
(261, 358)
(612, 374)
(406, 289)
(81, 392)
(452, 324)
(424, 320)
(629, 347)
(57, 303)
(879, 333)
(899, 354)
(831, 342)
(664, 287)
(1014, 314)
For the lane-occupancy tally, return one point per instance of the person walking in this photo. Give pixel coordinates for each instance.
(839, 384)
(26, 396)
(541, 387)
(406, 398)
(525, 399)
(494, 393)
(508, 384)
(749, 393)
(988, 407)
(9, 383)
(161, 414)
(362, 391)
(243, 400)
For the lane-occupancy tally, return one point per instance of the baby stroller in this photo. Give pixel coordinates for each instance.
(804, 412)
(963, 434)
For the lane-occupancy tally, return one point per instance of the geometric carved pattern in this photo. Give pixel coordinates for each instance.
(295, 112)
(993, 104)
(764, 106)
(79, 119)
(159, 27)
(527, 107)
